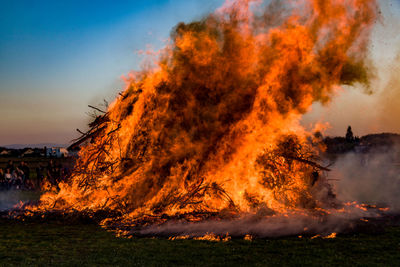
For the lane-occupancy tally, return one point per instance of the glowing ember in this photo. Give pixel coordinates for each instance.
(333, 235)
(181, 237)
(213, 130)
(330, 236)
(213, 237)
(248, 237)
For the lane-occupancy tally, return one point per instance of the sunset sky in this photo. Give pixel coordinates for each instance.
(56, 57)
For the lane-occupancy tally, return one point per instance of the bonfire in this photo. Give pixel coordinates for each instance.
(212, 133)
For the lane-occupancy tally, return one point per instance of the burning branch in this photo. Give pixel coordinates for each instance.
(215, 126)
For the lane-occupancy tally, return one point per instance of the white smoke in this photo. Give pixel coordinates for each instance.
(11, 198)
(272, 226)
(370, 178)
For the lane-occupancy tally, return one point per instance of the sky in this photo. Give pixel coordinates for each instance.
(58, 57)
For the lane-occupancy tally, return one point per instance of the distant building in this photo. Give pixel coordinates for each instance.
(29, 152)
(5, 153)
(56, 152)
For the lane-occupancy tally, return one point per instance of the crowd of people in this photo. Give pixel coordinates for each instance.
(20, 177)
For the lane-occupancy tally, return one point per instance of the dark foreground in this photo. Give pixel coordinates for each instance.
(56, 244)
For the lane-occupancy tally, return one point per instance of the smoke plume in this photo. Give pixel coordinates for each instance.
(371, 178)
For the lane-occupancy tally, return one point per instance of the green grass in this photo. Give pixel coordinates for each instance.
(23, 243)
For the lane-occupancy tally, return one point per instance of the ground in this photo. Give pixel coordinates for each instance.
(66, 244)
(60, 244)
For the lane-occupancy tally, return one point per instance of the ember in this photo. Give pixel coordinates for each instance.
(212, 132)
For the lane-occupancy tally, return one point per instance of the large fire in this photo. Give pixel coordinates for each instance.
(213, 128)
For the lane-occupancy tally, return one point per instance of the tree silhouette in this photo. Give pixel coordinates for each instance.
(349, 135)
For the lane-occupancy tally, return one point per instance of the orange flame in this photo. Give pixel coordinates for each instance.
(215, 126)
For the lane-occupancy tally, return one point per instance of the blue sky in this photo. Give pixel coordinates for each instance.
(56, 57)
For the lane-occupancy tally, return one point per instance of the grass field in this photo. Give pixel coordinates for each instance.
(60, 244)
(56, 244)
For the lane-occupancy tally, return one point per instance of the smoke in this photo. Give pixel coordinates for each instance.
(388, 104)
(261, 226)
(11, 198)
(379, 111)
(371, 178)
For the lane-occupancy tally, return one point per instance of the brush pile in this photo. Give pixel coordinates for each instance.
(212, 130)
